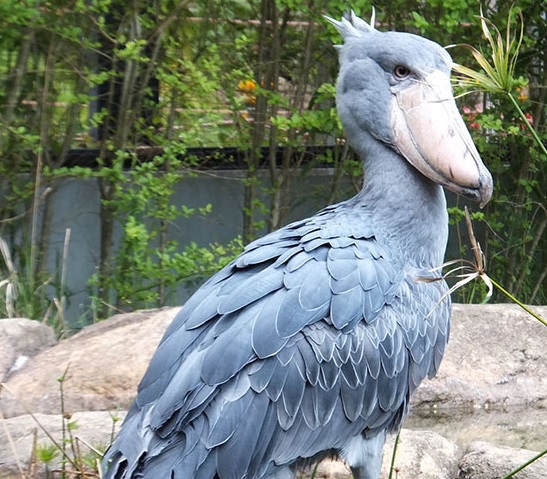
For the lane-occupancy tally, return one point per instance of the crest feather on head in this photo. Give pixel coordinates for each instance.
(353, 26)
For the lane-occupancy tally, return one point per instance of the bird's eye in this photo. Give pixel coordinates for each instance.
(401, 72)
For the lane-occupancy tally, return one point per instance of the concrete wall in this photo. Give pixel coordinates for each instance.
(76, 206)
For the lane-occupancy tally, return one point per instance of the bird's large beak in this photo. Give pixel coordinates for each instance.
(430, 133)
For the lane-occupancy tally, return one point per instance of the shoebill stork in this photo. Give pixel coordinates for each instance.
(311, 342)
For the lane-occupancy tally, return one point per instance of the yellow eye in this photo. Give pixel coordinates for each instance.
(401, 72)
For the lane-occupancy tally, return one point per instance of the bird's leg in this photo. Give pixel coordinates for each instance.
(366, 463)
(364, 473)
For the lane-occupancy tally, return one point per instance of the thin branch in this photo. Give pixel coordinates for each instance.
(522, 305)
(530, 128)
(526, 464)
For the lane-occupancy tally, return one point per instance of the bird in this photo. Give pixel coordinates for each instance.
(311, 342)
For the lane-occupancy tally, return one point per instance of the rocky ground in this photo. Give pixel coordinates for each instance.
(482, 416)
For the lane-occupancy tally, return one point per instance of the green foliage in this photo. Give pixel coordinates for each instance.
(509, 130)
(122, 76)
(29, 294)
(47, 453)
(148, 267)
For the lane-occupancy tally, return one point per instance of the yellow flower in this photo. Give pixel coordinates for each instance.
(246, 86)
(523, 93)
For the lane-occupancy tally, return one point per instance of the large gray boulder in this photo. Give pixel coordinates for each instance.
(423, 455)
(101, 365)
(518, 427)
(495, 358)
(21, 339)
(486, 461)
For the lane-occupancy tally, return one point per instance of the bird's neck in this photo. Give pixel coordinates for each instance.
(408, 209)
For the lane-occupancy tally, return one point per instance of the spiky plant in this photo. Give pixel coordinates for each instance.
(497, 75)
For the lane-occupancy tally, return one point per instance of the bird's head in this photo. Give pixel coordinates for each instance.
(396, 87)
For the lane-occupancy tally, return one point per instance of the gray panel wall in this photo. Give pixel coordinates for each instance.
(76, 206)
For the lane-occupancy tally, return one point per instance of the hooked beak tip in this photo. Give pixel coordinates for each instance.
(481, 193)
(485, 195)
(483, 203)
(485, 189)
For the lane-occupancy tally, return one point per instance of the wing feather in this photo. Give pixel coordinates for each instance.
(254, 288)
(224, 417)
(352, 395)
(346, 308)
(226, 354)
(310, 332)
(233, 458)
(264, 339)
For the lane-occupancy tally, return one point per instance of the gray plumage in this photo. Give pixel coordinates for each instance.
(312, 341)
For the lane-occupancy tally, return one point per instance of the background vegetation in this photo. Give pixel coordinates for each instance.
(141, 82)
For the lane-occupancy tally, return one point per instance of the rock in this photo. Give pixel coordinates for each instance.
(21, 339)
(90, 429)
(495, 358)
(103, 363)
(485, 461)
(423, 455)
(515, 427)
